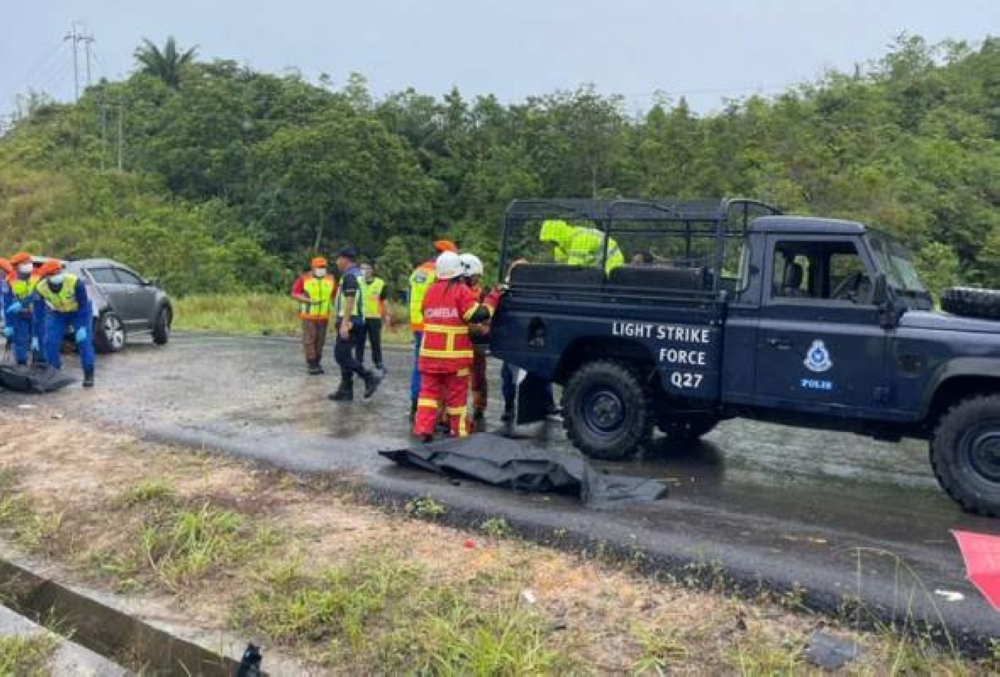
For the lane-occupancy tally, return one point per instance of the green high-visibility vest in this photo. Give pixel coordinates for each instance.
(65, 300)
(372, 293)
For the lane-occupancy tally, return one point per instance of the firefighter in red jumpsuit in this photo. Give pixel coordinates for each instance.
(480, 335)
(446, 350)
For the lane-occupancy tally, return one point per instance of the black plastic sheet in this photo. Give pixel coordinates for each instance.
(508, 463)
(33, 379)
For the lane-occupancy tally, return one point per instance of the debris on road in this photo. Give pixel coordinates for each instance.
(507, 463)
(982, 562)
(829, 652)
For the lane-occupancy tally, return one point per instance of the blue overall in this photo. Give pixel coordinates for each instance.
(28, 323)
(59, 323)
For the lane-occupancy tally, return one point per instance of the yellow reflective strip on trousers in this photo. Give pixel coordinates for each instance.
(427, 403)
(445, 354)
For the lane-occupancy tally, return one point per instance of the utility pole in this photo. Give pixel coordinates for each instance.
(104, 129)
(121, 127)
(76, 35)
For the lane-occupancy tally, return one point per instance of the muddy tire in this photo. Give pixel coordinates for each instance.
(606, 410)
(971, 302)
(161, 327)
(686, 428)
(109, 333)
(965, 454)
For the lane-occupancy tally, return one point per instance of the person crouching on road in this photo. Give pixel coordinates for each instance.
(421, 280)
(449, 307)
(348, 324)
(69, 307)
(376, 313)
(479, 334)
(315, 293)
(23, 310)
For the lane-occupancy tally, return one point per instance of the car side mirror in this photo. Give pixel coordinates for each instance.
(152, 282)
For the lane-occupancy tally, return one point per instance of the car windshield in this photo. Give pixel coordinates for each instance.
(897, 263)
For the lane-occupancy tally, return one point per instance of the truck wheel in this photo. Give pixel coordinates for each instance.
(161, 328)
(972, 302)
(686, 427)
(606, 410)
(965, 454)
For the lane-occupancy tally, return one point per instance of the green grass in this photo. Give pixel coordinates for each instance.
(257, 314)
(26, 655)
(175, 543)
(387, 613)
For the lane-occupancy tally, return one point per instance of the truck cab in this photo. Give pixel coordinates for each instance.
(725, 309)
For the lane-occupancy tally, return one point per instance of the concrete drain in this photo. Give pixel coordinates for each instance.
(104, 629)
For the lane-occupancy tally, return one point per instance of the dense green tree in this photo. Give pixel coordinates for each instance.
(255, 171)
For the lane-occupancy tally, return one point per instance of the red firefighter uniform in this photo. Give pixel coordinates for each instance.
(446, 353)
(478, 382)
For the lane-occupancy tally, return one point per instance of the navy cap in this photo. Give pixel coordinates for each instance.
(349, 253)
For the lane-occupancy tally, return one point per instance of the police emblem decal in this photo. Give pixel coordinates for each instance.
(818, 357)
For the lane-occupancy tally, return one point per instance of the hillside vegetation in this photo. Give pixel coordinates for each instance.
(230, 178)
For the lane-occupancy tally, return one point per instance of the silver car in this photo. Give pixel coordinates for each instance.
(125, 304)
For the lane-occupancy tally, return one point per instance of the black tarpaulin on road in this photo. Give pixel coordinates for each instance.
(507, 463)
(33, 379)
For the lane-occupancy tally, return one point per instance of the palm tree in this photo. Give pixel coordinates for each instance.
(166, 64)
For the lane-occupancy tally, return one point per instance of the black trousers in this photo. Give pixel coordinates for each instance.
(344, 352)
(371, 331)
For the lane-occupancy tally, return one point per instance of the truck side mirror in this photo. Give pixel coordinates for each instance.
(880, 290)
(882, 301)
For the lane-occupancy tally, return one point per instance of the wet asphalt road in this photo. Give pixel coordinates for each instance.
(836, 515)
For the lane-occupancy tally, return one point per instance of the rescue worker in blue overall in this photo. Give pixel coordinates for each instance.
(24, 314)
(69, 307)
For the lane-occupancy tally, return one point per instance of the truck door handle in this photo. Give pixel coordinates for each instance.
(779, 343)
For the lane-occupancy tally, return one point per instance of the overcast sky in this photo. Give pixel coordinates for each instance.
(704, 49)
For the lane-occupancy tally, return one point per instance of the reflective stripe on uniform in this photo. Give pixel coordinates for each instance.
(427, 403)
(445, 354)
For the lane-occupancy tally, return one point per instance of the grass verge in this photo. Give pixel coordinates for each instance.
(26, 655)
(256, 314)
(305, 567)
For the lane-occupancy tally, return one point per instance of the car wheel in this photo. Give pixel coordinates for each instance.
(965, 454)
(109, 333)
(161, 328)
(606, 410)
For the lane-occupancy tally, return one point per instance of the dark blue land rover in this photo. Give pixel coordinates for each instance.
(726, 309)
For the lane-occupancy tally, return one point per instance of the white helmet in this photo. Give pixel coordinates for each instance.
(471, 264)
(449, 266)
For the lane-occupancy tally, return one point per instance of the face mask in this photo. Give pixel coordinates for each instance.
(25, 269)
(319, 272)
(58, 279)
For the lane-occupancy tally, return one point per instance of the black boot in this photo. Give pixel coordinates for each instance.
(344, 393)
(88, 378)
(371, 383)
(314, 368)
(508, 411)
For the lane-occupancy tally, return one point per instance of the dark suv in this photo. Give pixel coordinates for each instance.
(125, 304)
